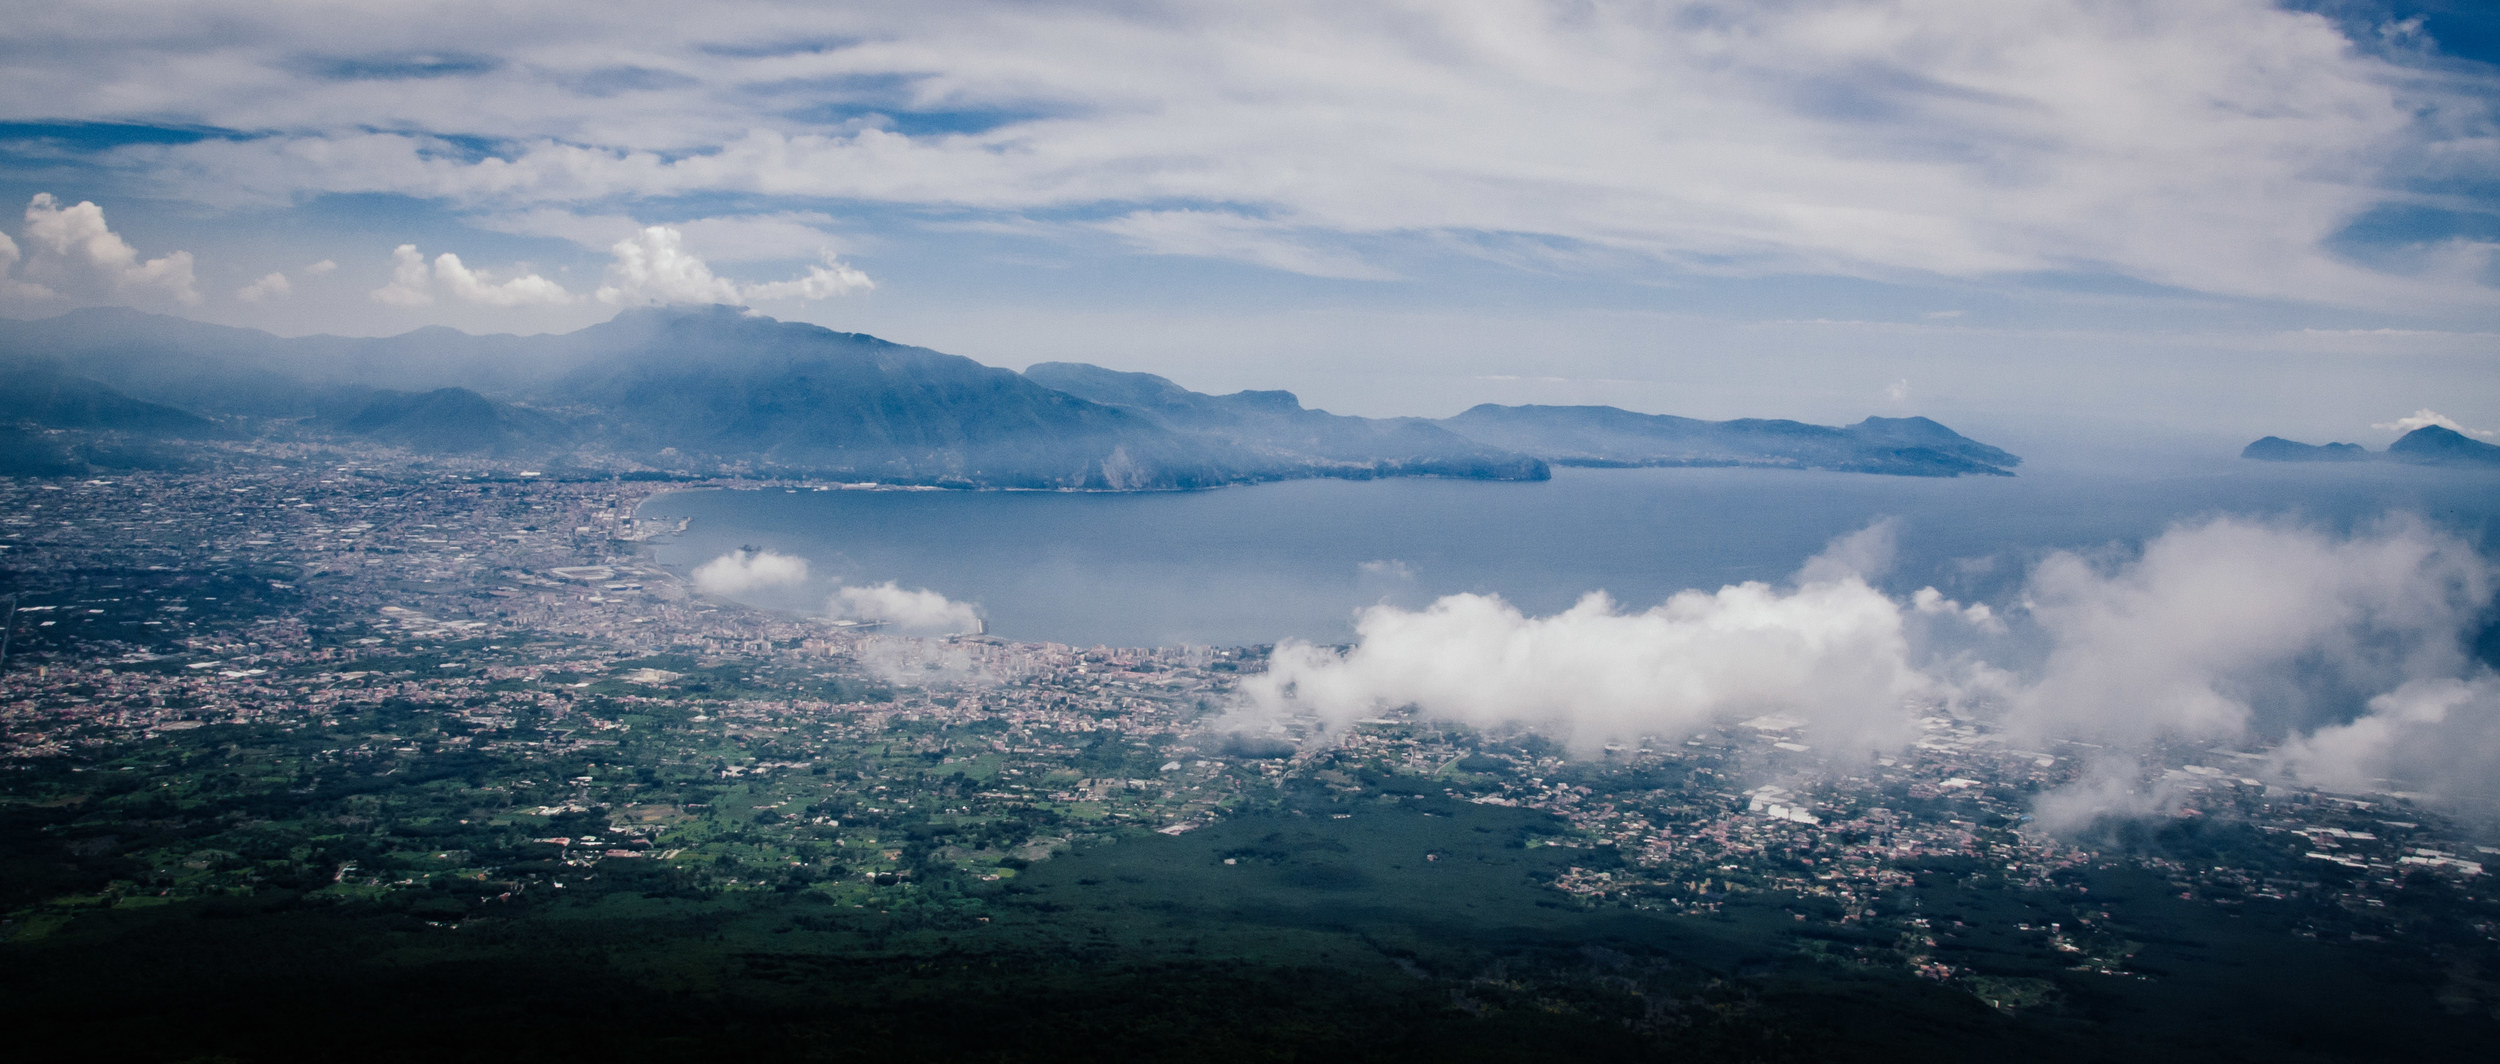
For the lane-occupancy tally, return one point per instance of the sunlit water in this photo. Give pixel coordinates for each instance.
(1256, 564)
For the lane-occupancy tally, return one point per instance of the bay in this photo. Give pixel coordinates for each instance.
(1298, 559)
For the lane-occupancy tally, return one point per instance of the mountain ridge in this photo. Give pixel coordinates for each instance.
(720, 391)
(2434, 445)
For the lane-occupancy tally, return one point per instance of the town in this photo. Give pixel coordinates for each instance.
(464, 690)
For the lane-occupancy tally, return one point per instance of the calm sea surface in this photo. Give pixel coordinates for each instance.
(1256, 564)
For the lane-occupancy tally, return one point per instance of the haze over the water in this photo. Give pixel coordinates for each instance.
(2039, 221)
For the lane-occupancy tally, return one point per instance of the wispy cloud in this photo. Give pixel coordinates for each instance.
(2210, 145)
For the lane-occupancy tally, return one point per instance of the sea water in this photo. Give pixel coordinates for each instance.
(1255, 564)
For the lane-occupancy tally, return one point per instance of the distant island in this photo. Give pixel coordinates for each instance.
(716, 391)
(2429, 445)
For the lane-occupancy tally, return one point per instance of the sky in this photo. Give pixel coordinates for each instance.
(2041, 221)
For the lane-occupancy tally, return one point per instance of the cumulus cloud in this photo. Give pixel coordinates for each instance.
(11, 287)
(321, 268)
(916, 610)
(823, 281)
(2426, 417)
(272, 285)
(747, 570)
(413, 283)
(654, 267)
(1831, 650)
(522, 290)
(2349, 653)
(2231, 629)
(71, 252)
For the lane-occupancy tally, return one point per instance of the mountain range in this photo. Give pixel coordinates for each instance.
(2429, 445)
(714, 391)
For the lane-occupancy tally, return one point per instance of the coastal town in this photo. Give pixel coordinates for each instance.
(466, 689)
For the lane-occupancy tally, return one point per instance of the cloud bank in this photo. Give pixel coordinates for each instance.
(2352, 653)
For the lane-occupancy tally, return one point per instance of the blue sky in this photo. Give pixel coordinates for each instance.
(2151, 220)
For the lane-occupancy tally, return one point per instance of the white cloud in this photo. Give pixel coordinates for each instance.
(915, 610)
(10, 287)
(825, 281)
(71, 252)
(2232, 629)
(321, 268)
(654, 267)
(747, 570)
(2439, 735)
(2348, 651)
(521, 290)
(272, 285)
(1833, 651)
(413, 284)
(2426, 417)
(2216, 145)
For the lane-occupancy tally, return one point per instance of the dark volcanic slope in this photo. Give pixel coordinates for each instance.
(1606, 436)
(720, 384)
(454, 421)
(1274, 426)
(40, 393)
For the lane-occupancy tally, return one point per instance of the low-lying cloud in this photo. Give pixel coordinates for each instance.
(748, 570)
(910, 610)
(2350, 654)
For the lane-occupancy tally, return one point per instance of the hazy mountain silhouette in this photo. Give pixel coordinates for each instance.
(1275, 426)
(717, 390)
(453, 421)
(1607, 436)
(2428, 445)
